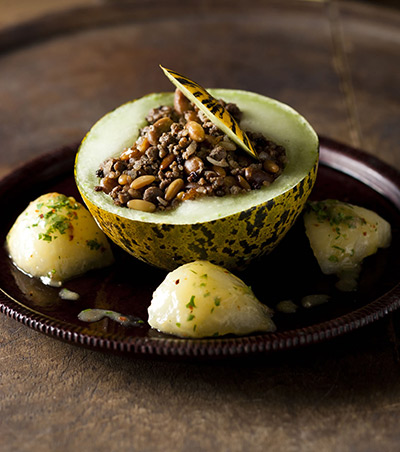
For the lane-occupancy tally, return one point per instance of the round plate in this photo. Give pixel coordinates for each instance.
(290, 272)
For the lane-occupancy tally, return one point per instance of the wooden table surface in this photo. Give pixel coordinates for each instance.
(62, 66)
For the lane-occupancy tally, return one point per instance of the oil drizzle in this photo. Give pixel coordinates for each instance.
(309, 301)
(94, 315)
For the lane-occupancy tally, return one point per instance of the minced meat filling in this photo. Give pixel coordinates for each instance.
(182, 155)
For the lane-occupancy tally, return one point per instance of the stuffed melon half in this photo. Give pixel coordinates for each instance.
(229, 231)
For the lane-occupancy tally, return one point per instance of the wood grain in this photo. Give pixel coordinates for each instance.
(334, 397)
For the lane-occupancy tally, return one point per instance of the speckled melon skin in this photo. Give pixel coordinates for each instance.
(231, 242)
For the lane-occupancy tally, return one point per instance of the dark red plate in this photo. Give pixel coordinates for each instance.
(290, 272)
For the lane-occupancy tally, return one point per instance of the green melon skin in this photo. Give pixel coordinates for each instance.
(230, 231)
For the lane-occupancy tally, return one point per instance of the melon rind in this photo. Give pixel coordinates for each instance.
(229, 231)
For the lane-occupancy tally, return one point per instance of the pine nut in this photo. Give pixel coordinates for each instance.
(129, 154)
(243, 183)
(126, 155)
(167, 161)
(196, 131)
(173, 188)
(270, 166)
(229, 181)
(140, 204)
(124, 179)
(142, 181)
(143, 145)
(219, 170)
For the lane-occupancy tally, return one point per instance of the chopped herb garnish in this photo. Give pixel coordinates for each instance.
(333, 258)
(328, 211)
(58, 223)
(191, 304)
(94, 245)
(60, 202)
(45, 237)
(190, 317)
(178, 324)
(217, 301)
(194, 327)
(338, 248)
(55, 220)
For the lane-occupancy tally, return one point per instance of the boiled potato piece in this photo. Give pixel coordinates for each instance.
(201, 299)
(55, 238)
(341, 235)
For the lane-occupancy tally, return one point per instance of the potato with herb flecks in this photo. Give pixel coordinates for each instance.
(55, 238)
(342, 235)
(201, 299)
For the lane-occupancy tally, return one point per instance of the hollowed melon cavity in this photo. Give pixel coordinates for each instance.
(228, 231)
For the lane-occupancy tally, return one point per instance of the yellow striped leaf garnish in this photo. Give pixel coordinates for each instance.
(215, 112)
